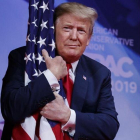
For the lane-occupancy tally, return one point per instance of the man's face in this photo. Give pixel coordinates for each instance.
(72, 36)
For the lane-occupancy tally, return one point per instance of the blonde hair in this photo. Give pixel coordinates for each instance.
(78, 10)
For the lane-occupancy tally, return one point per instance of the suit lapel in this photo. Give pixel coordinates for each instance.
(80, 87)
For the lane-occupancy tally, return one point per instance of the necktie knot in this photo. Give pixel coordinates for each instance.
(68, 66)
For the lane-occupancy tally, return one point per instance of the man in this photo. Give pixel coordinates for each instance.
(92, 112)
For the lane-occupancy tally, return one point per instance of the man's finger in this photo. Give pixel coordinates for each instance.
(42, 113)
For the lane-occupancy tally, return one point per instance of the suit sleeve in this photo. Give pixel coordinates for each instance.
(101, 124)
(19, 101)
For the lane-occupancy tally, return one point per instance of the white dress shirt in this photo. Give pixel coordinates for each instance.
(70, 125)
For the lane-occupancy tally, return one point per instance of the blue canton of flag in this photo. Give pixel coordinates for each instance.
(40, 36)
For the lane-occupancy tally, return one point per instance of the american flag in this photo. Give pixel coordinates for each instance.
(40, 36)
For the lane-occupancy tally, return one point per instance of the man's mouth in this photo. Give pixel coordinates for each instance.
(72, 45)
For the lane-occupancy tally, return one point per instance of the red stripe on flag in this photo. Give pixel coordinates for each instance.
(58, 132)
(36, 115)
(38, 126)
(19, 134)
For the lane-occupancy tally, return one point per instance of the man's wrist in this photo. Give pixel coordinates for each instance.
(70, 125)
(67, 117)
(52, 80)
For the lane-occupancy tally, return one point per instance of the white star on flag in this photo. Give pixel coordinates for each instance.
(44, 7)
(39, 73)
(34, 40)
(53, 45)
(36, 73)
(41, 42)
(27, 80)
(52, 27)
(43, 25)
(34, 22)
(28, 38)
(33, 57)
(27, 57)
(40, 58)
(35, 4)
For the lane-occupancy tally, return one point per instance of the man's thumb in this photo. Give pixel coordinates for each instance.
(56, 94)
(45, 55)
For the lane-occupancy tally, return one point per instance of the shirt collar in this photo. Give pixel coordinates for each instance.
(74, 65)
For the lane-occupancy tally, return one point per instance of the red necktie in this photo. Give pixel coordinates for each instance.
(68, 87)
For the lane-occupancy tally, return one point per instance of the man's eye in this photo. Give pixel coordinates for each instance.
(81, 31)
(67, 28)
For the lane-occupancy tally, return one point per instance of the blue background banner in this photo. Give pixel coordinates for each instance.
(115, 43)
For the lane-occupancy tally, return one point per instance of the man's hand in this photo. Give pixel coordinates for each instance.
(56, 65)
(56, 110)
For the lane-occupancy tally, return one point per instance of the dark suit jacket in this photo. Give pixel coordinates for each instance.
(96, 118)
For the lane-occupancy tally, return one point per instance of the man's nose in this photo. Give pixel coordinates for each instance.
(74, 34)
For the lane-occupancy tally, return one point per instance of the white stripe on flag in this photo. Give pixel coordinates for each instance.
(46, 130)
(66, 102)
(29, 126)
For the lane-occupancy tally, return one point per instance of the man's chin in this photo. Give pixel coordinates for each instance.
(71, 58)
